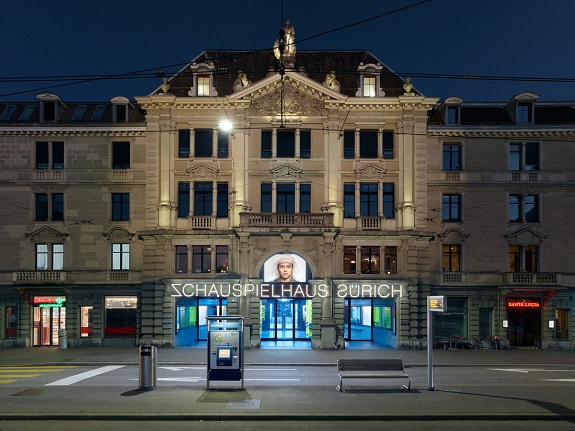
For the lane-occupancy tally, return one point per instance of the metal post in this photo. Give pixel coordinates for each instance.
(429, 349)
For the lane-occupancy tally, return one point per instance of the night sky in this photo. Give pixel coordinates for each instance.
(60, 46)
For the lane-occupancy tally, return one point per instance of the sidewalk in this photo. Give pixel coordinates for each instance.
(197, 355)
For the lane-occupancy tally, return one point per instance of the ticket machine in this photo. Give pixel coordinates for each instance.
(225, 348)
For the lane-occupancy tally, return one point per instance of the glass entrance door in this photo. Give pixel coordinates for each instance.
(285, 319)
(358, 323)
(47, 323)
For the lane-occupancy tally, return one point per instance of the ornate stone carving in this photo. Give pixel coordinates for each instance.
(331, 82)
(241, 82)
(295, 102)
(370, 172)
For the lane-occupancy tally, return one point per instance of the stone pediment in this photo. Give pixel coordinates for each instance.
(47, 234)
(286, 170)
(525, 235)
(296, 94)
(370, 172)
(453, 235)
(118, 233)
(202, 171)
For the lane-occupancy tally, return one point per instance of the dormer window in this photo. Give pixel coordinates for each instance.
(369, 82)
(453, 114)
(51, 107)
(524, 112)
(369, 86)
(120, 112)
(203, 85)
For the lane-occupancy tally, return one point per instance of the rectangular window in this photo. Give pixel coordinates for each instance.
(368, 205)
(369, 86)
(57, 206)
(27, 113)
(387, 141)
(49, 257)
(390, 260)
(57, 155)
(389, 200)
(266, 152)
(368, 144)
(266, 197)
(120, 206)
(121, 315)
(222, 206)
(524, 156)
(41, 257)
(349, 144)
(305, 198)
(203, 199)
(42, 155)
(370, 260)
(453, 115)
(523, 208)
(523, 258)
(183, 199)
(181, 259)
(99, 113)
(41, 206)
(451, 157)
(305, 144)
(49, 110)
(120, 155)
(222, 259)
(524, 111)
(451, 258)
(349, 258)
(201, 259)
(79, 113)
(285, 199)
(183, 143)
(223, 144)
(7, 113)
(86, 321)
(286, 143)
(349, 200)
(451, 208)
(203, 142)
(57, 257)
(11, 321)
(120, 257)
(485, 319)
(121, 113)
(203, 85)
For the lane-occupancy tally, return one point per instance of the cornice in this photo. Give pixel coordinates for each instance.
(71, 131)
(499, 132)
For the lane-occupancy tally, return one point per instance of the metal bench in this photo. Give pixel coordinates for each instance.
(370, 369)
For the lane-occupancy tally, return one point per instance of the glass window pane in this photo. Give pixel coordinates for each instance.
(203, 143)
(41, 257)
(349, 144)
(266, 152)
(286, 143)
(42, 155)
(305, 144)
(368, 144)
(349, 200)
(184, 143)
(58, 257)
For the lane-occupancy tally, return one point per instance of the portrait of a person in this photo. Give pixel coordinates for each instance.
(285, 268)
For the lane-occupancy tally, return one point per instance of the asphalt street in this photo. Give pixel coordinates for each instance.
(95, 385)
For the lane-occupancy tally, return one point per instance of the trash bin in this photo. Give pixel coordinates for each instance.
(62, 339)
(148, 366)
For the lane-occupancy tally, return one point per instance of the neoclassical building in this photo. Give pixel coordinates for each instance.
(334, 202)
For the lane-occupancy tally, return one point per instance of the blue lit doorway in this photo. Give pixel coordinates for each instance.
(191, 313)
(285, 319)
(358, 321)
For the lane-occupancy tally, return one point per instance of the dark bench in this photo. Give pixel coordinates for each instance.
(370, 369)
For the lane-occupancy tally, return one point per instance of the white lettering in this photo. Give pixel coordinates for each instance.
(175, 287)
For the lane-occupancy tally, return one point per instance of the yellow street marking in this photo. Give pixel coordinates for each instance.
(14, 376)
(30, 370)
(5, 382)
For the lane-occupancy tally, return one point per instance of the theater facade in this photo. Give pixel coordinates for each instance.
(317, 194)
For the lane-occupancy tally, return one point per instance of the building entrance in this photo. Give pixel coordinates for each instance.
(524, 327)
(357, 323)
(286, 319)
(47, 324)
(191, 323)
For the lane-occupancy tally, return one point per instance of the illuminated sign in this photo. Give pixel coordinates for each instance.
(436, 303)
(50, 301)
(523, 304)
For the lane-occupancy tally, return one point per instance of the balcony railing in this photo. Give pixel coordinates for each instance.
(40, 277)
(530, 278)
(452, 277)
(526, 176)
(286, 220)
(76, 277)
(49, 175)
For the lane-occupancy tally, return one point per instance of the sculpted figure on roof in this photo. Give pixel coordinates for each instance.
(289, 45)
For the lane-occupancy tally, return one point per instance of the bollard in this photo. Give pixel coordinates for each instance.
(62, 339)
(148, 366)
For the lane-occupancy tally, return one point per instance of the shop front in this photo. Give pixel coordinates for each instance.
(49, 318)
(524, 322)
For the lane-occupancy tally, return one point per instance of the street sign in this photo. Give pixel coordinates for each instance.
(437, 304)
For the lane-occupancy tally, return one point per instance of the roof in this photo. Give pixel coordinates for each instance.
(259, 64)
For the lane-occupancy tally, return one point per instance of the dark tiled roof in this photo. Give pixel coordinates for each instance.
(484, 115)
(258, 64)
(66, 117)
(554, 114)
